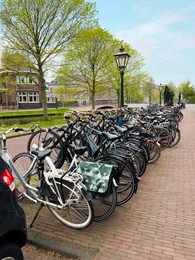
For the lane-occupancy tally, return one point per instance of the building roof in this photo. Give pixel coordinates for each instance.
(19, 71)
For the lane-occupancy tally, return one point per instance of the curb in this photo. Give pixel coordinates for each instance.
(61, 247)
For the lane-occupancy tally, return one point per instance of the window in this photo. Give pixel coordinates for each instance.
(21, 79)
(32, 80)
(28, 97)
(33, 97)
(51, 99)
(26, 80)
(22, 97)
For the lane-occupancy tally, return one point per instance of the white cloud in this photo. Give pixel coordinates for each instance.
(168, 34)
(171, 17)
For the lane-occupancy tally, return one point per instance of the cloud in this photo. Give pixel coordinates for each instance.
(144, 37)
(142, 9)
(168, 33)
(171, 17)
(184, 42)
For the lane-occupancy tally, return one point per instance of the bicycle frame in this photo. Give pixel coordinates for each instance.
(31, 192)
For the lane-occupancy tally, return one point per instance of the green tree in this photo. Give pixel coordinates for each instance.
(187, 91)
(14, 62)
(133, 75)
(42, 28)
(86, 60)
(150, 89)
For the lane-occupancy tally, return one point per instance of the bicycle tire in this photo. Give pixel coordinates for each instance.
(143, 163)
(23, 161)
(104, 206)
(104, 203)
(10, 250)
(141, 145)
(128, 181)
(132, 157)
(145, 151)
(176, 136)
(77, 214)
(154, 152)
(58, 155)
(164, 137)
(138, 160)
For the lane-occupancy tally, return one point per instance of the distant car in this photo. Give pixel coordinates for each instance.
(13, 231)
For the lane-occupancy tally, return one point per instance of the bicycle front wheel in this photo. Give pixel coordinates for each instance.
(77, 211)
(154, 151)
(175, 136)
(164, 136)
(49, 139)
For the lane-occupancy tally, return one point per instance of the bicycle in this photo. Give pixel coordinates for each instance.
(128, 181)
(104, 202)
(61, 191)
(57, 136)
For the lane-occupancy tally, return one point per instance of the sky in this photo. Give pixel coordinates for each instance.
(163, 32)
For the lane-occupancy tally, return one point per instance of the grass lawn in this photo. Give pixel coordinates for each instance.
(36, 112)
(59, 121)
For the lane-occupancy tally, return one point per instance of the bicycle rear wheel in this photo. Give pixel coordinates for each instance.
(128, 181)
(104, 205)
(77, 211)
(26, 165)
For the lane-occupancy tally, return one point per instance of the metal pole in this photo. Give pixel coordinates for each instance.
(160, 97)
(122, 88)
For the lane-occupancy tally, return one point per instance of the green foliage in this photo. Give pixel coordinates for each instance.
(87, 58)
(41, 29)
(133, 75)
(149, 89)
(13, 60)
(187, 91)
(68, 103)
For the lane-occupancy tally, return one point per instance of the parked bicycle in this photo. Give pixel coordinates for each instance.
(62, 192)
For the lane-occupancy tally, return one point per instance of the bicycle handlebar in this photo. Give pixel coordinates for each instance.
(20, 129)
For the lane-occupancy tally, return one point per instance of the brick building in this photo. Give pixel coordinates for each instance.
(20, 90)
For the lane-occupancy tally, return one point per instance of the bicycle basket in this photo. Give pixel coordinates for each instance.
(96, 176)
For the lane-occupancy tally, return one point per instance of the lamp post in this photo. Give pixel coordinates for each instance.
(160, 87)
(122, 58)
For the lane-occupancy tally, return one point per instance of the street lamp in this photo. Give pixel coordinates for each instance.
(160, 87)
(121, 60)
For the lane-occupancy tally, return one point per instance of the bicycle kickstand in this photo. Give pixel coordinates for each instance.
(36, 215)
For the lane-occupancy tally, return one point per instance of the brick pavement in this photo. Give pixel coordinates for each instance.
(157, 223)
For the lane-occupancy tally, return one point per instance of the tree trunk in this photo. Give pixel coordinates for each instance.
(93, 99)
(93, 95)
(44, 97)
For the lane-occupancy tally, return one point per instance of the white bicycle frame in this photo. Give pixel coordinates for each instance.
(31, 192)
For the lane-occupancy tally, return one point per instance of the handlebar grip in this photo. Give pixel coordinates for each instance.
(66, 117)
(18, 129)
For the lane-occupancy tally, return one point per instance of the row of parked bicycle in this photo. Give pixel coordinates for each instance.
(83, 170)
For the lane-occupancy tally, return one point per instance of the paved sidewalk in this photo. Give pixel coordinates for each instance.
(157, 223)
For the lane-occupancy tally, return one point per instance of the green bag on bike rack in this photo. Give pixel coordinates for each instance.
(96, 176)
